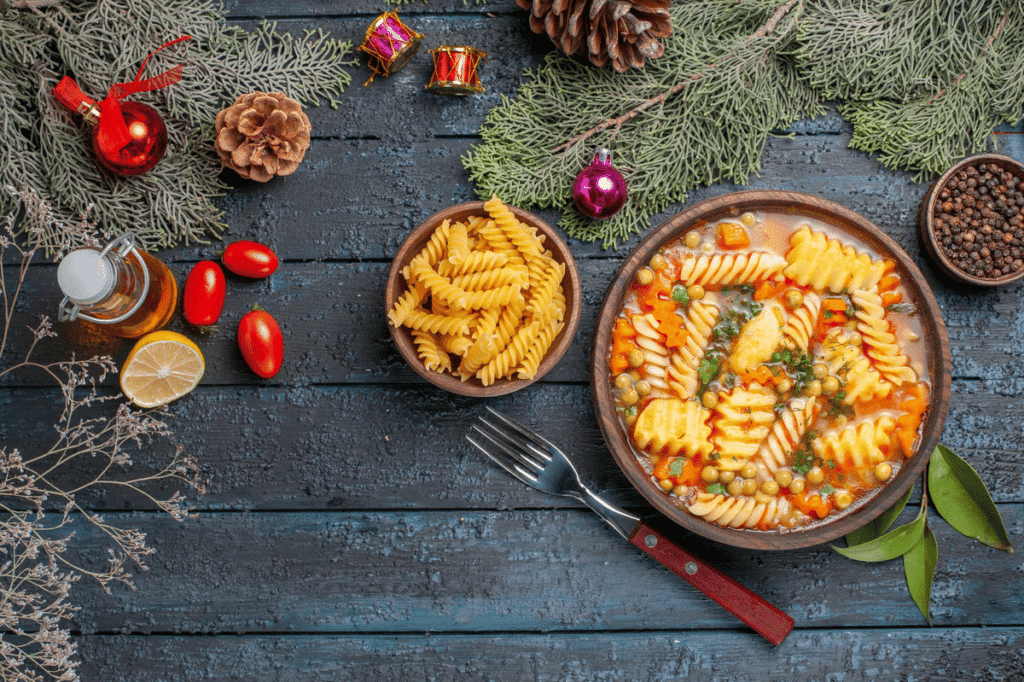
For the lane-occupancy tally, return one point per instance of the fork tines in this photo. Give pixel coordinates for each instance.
(511, 447)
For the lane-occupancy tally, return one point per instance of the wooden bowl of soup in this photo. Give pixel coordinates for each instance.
(479, 306)
(770, 370)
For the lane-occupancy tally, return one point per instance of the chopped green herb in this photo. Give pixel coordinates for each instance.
(676, 468)
(826, 490)
(717, 489)
(715, 457)
(680, 296)
(831, 464)
(708, 367)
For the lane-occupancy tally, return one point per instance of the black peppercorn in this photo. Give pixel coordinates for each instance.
(979, 217)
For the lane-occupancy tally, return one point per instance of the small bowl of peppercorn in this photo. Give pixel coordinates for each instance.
(971, 221)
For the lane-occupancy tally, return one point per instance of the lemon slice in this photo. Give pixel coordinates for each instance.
(163, 366)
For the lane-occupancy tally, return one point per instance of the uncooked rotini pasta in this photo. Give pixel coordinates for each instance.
(405, 304)
(437, 324)
(421, 271)
(492, 279)
(458, 243)
(474, 306)
(879, 342)
(759, 374)
(476, 261)
(433, 357)
(523, 237)
(535, 354)
(432, 253)
(511, 356)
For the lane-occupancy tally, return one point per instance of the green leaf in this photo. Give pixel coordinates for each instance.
(919, 567)
(873, 529)
(676, 467)
(717, 489)
(889, 546)
(963, 500)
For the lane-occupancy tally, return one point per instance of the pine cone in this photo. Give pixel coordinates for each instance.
(624, 32)
(262, 135)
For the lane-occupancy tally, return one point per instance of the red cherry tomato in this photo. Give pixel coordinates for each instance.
(204, 294)
(249, 259)
(261, 343)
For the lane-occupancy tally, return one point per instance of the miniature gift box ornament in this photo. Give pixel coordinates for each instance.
(600, 190)
(119, 286)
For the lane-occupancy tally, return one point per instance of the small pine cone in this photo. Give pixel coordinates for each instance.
(262, 134)
(623, 32)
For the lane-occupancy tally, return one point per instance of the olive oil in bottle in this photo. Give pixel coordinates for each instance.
(121, 287)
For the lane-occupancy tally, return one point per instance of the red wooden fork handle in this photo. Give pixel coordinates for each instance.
(765, 619)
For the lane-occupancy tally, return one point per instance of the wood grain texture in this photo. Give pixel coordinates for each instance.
(349, 531)
(937, 655)
(540, 570)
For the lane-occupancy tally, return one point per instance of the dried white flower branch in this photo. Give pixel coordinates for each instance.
(39, 509)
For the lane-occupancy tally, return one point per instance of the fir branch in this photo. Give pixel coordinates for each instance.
(927, 134)
(99, 43)
(765, 30)
(714, 128)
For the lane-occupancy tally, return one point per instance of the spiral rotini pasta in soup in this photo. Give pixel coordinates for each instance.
(769, 371)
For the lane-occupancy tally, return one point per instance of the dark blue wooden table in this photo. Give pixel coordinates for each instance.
(350, 533)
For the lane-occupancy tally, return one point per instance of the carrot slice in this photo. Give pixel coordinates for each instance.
(732, 236)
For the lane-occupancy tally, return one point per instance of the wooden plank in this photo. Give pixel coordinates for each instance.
(359, 199)
(936, 655)
(335, 327)
(365, 10)
(373, 447)
(514, 571)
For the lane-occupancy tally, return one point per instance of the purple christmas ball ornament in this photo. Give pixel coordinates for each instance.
(600, 189)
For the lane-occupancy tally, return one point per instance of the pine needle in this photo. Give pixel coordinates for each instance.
(924, 83)
(48, 148)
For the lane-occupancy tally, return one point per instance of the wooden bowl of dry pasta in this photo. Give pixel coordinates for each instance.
(483, 299)
(790, 385)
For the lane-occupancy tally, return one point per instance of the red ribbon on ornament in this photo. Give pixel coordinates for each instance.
(112, 135)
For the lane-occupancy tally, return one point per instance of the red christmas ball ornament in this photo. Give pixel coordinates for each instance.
(129, 138)
(147, 136)
(600, 190)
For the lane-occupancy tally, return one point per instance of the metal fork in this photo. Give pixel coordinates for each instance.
(537, 462)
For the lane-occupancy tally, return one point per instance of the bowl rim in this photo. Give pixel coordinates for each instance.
(801, 204)
(926, 221)
(402, 337)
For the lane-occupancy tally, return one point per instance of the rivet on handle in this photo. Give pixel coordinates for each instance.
(691, 567)
(651, 540)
